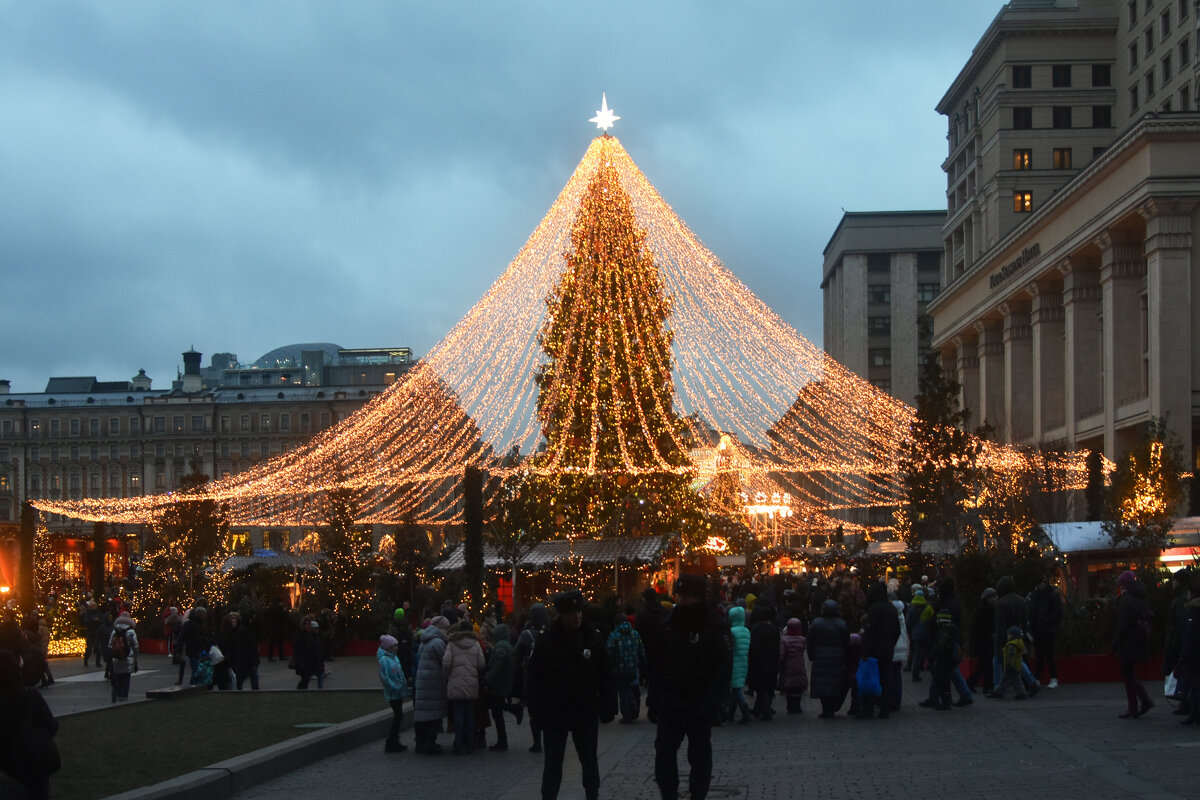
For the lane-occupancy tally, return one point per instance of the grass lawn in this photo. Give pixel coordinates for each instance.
(128, 746)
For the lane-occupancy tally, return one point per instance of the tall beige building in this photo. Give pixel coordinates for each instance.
(881, 270)
(1071, 256)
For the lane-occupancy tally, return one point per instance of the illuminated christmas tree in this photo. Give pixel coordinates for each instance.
(606, 401)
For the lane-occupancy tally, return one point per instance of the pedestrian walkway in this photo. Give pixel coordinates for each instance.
(1063, 744)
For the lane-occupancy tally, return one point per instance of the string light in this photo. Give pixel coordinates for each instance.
(807, 427)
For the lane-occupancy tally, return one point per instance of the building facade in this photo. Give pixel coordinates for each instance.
(881, 269)
(1073, 189)
(83, 438)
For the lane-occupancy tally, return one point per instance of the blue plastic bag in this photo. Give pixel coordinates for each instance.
(868, 678)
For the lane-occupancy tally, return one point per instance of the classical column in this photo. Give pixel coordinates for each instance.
(991, 375)
(1049, 376)
(904, 326)
(1171, 329)
(966, 353)
(1081, 346)
(1122, 276)
(853, 315)
(1018, 372)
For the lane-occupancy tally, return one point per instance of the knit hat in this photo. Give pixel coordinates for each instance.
(691, 586)
(315, 625)
(918, 593)
(399, 615)
(1014, 632)
(793, 626)
(1126, 579)
(855, 639)
(440, 622)
(569, 601)
(988, 592)
(388, 642)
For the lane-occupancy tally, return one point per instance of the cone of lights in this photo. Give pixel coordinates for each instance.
(807, 426)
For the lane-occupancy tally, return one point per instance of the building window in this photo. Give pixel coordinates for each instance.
(94, 426)
(177, 424)
(1134, 99)
(55, 428)
(76, 484)
(264, 422)
(1060, 76)
(924, 329)
(1164, 24)
(1183, 8)
(75, 427)
(35, 427)
(160, 424)
(1133, 56)
(134, 451)
(1150, 84)
(1062, 116)
(1022, 76)
(245, 426)
(1166, 68)
(226, 423)
(135, 483)
(197, 424)
(1022, 202)
(285, 422)
(94, 484)
(1132, 13)
(876, 262)
(927, 291)
(882, 384)
(245, 449)
(134, 426)
(881, 357)
(879, 326)
(1101, 116)
(305, 422)
(54, 452)
(94, 453)
(160, 450)
(324, 420)
(1023, 159)
(74, 452)
(877, 293)
(160, 481)
(1185, 52)
(224, 449)
(1148, 38)
(1062, 158)
(114, 484)
(1022, 118)
(264, 450)
(1184, 95)
(1101, 75)
(114, 426)
(114, 452)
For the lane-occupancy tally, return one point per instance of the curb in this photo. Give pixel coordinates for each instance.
(225, 778)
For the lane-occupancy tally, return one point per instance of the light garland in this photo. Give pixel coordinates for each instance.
(807, 426)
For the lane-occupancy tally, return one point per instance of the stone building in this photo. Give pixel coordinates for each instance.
(1073, 192)
(881, 270)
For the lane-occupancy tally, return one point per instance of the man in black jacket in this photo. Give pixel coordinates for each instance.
(690, 688)
(649, 621)
(1045, 618)
(570, 675)
(1010, 611)
(879, 642)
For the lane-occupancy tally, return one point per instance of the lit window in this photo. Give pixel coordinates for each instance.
(1062, 158)
(1022, 202)
(1023, 159)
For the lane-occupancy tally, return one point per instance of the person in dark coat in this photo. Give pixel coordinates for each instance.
(243, 654)
(400, 630)
(1132, 641)
(828, 640)
(691, 685)
(648, 621)
(983, 626)
(948, 603)
(308, 654)
(1045, 618)
(194, 638)
(90, 617)
(570, 676)
(879, 642)
(275, 621)
(1176, 620)
(537, 624)
(17, 703)
(1187, 667)
(764, 659)
(1010, 611)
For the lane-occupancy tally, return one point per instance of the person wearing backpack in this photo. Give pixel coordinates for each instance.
(123, 650)
(30, 756)
(627, 654)
(1132, 641)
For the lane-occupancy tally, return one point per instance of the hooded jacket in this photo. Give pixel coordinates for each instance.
(502, 666)
(462, 664)
(763, 667)
(626, 651)
(569, 676)
(430, 704)
(883, 627)
(739, 636)
(1010, 611)
(693, 679)
(1133, 614)
(828, 640)
(793, 668)
(391, 675)
(124, 627)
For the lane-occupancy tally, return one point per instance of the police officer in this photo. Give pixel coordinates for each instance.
(690, 688)
(569, 674)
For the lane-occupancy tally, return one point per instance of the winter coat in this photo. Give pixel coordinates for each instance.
(402, 633)
(243, 652)
(462, 664)
(1045, 612)
(900, 653)
(1010, 611)
(570, 677)
(194, 637)
(882, 629)
(793, 669)
(1189, 644)
(535, 626)
(626, 652)
(1133, 617)
(391, 675)
(124, 627)
(17, 703)
(430, 704)
(947, 600)
(693, 678)
(502, 666)
(739, 636)
(763, 663)
(828, 640)
(920, 619)
(648, 622)
(306, 652)
(983, 628)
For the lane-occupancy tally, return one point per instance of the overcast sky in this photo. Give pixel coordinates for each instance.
(243, 175)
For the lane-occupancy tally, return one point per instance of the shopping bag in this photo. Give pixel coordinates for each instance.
(868, 678)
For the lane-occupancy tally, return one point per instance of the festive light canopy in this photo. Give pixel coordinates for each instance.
(806, 427)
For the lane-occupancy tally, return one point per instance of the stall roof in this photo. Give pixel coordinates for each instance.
(1083, 537)
(631, 550)
(268, 559)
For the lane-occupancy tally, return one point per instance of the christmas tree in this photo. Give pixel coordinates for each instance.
(606, 401)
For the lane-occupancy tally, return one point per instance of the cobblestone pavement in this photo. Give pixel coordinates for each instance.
(1066, 743)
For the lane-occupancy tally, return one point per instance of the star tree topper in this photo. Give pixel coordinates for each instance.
(605, 118)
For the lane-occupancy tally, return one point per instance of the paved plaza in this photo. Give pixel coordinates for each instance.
(1062, 744)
